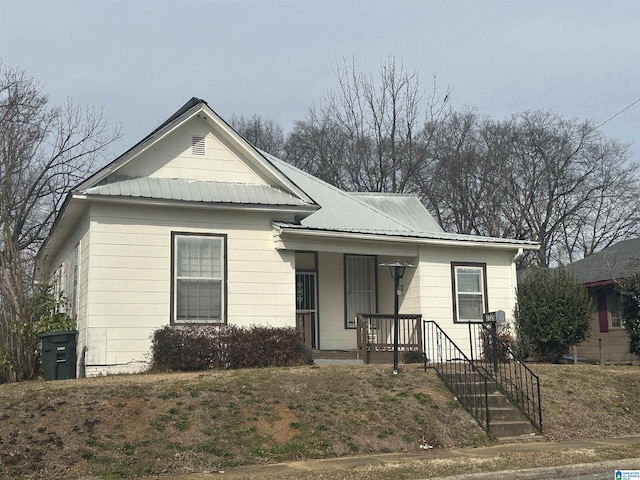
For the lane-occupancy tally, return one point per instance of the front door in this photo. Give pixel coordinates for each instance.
(306, 312)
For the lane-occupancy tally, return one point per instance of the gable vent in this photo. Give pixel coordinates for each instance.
(197, 145)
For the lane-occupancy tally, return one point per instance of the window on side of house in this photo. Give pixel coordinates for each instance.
(70, 284)
(57, 283)
(199, 272)
(469, 291)
(615, 312)
(360, 287)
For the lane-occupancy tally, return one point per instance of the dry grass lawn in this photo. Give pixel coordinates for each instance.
(128, 426)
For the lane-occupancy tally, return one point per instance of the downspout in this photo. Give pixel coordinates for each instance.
(518, 255)
(514, 274)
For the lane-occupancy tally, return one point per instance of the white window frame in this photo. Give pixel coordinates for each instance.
(222, 239)
(457, 267)
(57, 283)
(366, 285)
(70, 289)
(614, 298)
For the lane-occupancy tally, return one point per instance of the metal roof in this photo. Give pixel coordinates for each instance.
(344, 211)
(381, 214)
(618, 261)
(406, 208)
(194, 191)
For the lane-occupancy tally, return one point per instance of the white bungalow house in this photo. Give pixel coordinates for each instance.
(195, 225)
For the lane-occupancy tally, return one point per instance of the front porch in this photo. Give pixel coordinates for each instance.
(331, 288)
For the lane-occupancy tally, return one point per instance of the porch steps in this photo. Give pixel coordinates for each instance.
(505, 420)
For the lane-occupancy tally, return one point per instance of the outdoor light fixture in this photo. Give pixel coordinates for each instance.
(397, 269)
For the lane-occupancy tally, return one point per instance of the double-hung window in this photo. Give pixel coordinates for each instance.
(198, 278)
(360, 287)
(615, 310)
(469, 291)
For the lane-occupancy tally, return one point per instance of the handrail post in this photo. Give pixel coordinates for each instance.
(486, 403)
(539, 407)
(494, 342)
(470, 343)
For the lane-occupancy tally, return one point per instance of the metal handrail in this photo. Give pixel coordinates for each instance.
(510, 374)
(457, 371)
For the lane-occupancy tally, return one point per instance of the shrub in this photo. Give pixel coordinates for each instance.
(630, 291)
(505, 339)
(199, 348)
(262, 347)
(552, 314)
(20, 354)
(183, 348)
(413, 356)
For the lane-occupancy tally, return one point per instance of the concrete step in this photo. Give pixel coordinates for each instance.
(511, 414)
(470, 376)
(527, 438)
(495, 399)
(502, 428)
(474, 387)
(506, 421)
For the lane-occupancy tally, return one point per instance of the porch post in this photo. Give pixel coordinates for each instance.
(397, 269)
(395, 325)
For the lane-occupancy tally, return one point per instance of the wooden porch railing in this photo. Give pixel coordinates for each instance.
(375, 335)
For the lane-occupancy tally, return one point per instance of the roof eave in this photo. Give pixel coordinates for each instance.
(506, 245)
(159, 202)
(70, 208)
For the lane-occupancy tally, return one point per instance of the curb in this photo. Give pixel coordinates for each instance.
(565, 471)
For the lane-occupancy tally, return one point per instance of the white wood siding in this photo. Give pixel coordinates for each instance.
(130, 277)
(172, 158)
(427, 289)
(64, 261)
(436, 298)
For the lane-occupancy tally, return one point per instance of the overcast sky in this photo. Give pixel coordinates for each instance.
(141, 60)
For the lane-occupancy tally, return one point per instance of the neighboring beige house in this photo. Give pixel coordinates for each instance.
(608, 342)
(195, 225)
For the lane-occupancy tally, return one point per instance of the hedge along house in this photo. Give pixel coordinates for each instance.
(193, 225)
(599, 272)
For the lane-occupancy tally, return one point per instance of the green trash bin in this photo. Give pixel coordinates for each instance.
(59, 355)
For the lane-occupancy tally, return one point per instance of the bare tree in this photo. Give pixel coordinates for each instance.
(264, 134)
(556, 168)
(373, 130)
(44, 150)
(463, 187)
(317, 145)
(612, 211)
(535, 176)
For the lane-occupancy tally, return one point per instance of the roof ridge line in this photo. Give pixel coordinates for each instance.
(341, 191)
